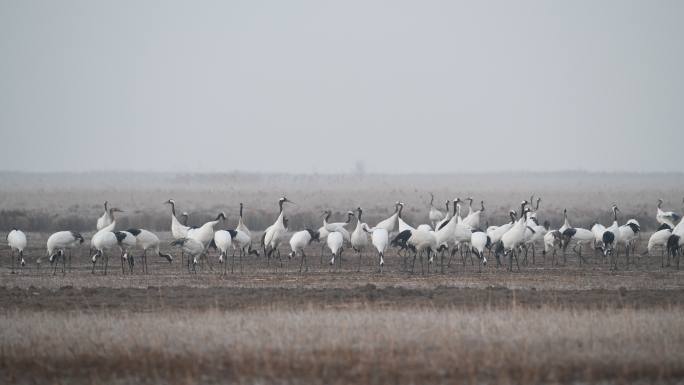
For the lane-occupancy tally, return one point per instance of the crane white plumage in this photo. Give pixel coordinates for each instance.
(514, 237)
(473, 219)
(390, 223)
(658, 240)
(192, 247)
(223, 239)
(335, 241)
(103, 242)
(445, 233)
(299, 241)
(380, 240)
(16, 240)
(478, 242)
(127, 243)
(669, 217)
(59, 243)
(178, 230)
(148, 241)
(419, 241)
(242, 241)
(328, 228)
(205, 233)
(434, 214)
(359, 237)
(273, 234)
(107, 217)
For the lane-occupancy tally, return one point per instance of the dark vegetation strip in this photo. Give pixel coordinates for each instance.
(224, 298)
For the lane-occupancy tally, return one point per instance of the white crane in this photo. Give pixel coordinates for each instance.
(470, 205)
(627, 235)
(513, 238)
(566, 223)
(552, 243)
(447, 217)
(390, 223)
(223, 239)
(107, 217)
(16, 240)
(473, 219)
(178, 230)
(205, 233)
(104, 219)
(242, 241)
(127, 243)
(380, 240)
(666, 217)
(273, 234)
(534, 234)
(610, 237)
(192, 247)
(102, 242)
(435, 215)
(359, 238)
(335, 241)
(327, 228)
(445, 234)
(418, 241)
(58, 243)
(580, 236)
(337, 226)
(478, 242)
(533, 208)
(299, 241)
(148, 241)
(659, 239)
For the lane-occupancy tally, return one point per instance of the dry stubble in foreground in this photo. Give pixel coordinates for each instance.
(517, 345)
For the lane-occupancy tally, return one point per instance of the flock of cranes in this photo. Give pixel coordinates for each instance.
(449, 233)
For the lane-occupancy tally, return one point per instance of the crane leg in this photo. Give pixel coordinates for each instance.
(358, 268)
(422, 268)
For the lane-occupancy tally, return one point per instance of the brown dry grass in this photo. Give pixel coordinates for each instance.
(363, 346)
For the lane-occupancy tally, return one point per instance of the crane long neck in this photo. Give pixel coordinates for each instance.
(173, 208)
(241, 211)
(280, 204)
(432, 199)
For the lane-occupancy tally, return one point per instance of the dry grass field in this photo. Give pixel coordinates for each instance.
(547, 323)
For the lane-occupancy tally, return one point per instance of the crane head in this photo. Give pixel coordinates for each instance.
(285, 200)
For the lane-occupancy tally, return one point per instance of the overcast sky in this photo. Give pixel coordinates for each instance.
(314, 86)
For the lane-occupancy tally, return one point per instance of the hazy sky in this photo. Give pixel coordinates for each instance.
(302, 86)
